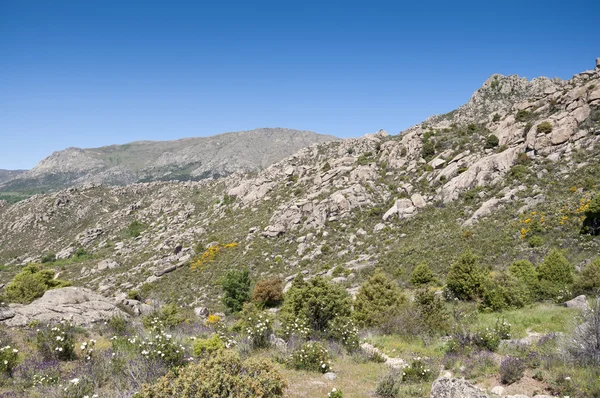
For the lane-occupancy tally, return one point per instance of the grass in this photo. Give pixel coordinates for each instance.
(407, 346)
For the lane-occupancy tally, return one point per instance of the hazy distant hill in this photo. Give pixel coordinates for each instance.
(6, 175)
(184, 159)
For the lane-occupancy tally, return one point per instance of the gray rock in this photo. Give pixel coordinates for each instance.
(78, 305)
(418, 201)
(201, 312)
(330, 376)
(378, 227)
(107, 264)
(579, 302)
(455, 388)
(498, 390)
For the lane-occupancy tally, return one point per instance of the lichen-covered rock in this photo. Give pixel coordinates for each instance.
(455, 388)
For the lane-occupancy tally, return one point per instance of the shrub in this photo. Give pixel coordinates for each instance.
(311, 356)
(31, 283)
(511, 370)
(167, 317)
(523, 115)
(518, 171)
(295, 327)
(344, 330)
(422, 275)
(431, 311)
(503, 291)
(535, 241)
(335, 393)
(221, 375)
(56, 341)
(48, 258)
(496, 118)
(318, 301)
(525, 271)
(465, 277)
(135, 229)
(428, 150)
(9, 356)
(208, 346)
(389, 385)
(236, 287)
(556, 276)
(544, 127)
(268, 292)
(417, 372)
(588, 281)
(157, 346)
(258, 329)
(491, 141)
(377, 299)
(591, 222)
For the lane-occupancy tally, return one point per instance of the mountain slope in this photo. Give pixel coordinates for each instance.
(6, 175)
(185, 159)
(504, 169)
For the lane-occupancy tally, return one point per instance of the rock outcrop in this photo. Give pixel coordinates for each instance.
(455, 388)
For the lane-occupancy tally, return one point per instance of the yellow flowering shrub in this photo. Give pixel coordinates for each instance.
(211, 254)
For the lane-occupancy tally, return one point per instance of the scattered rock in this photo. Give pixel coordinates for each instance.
(498, 390)
(330, 376)
(579, 302)
(455, 388)
(107, 264)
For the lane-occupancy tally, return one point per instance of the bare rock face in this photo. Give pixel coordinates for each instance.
(80, 306)
(455, 388)
(579, 302)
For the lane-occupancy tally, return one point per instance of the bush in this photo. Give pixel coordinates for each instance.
(491, 141)
(591, 222)
(268, 292)
(311, 356)
(317, 301)
(167, 317)
(236, 286)
(344, 330)
(417, 372)
(31, 283)
(544, 127)
(431, 312)
(465, 277)
(221, 375)
(556, 276)
(523, 115)
(496, 118)
(525, 271)
(511, 370)
(389, 385)
(377, 299)
(335, 393)
(503, 291)
(9, 356)
(422, 275)
(56, 341)
(258, 329)
(48, 258)
(588, 282)
(208, 346)
(428, 150)
(135, 229)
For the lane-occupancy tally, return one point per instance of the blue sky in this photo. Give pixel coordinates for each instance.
(92, 73)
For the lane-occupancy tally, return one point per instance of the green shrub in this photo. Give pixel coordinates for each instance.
(268, 292)
(431, 312)
(135, 229)
(311, 356)
(344, 330)
(588, 282)
(220, 375)
(31, 283)
(556, 276)
(236, 287)
(56, 341)
(417, 372)
(389, 385)
(491, 141)
(208, 346)
(535, 241)
(317, 301)
(591, 222)
(512, 370)
(166, 317)
(523, 115)
(48, 258)
(525, 271)
(326, 167)
(465, 277)
(496, 118)
(428, 150)
(377, 299)
(9, 356)
(503, 291)
(335, 393)
(518, 172)
(544, 127)
(422, 275)
(257, 329)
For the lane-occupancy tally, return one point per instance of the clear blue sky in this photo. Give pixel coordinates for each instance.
(91, 73)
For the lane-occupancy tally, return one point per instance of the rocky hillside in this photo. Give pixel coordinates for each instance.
(519, 153)
(6, 175)
(185, 159)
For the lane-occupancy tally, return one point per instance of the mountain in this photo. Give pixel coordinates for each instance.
(184, 159)
(507, 175)
(6, 175)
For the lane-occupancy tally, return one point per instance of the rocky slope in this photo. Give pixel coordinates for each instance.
(6, 175)
(470, 178)
(185, 159)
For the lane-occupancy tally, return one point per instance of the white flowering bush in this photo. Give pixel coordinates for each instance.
(87, 349)
(56, 341)
(344, 330)
(8, 358)
(79, 388)
(311, 356)
(295, 328)
(157, 345)
(418, 371)
(335, 393)
(44, 379)
(258, 329)
(502, 329)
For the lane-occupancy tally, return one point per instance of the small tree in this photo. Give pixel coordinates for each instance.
(422, 275)
(504, 291)
(556, 276)
(31, 283)
(236, 286)
(317, 301)
(525, 271)
(378, 299)
(491, 141)
(431, 310)
(268, 292)
(588, 282)
(465, 277)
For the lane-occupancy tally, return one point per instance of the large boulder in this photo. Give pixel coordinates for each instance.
(579, 302)
(78, 305)
(455, 388)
